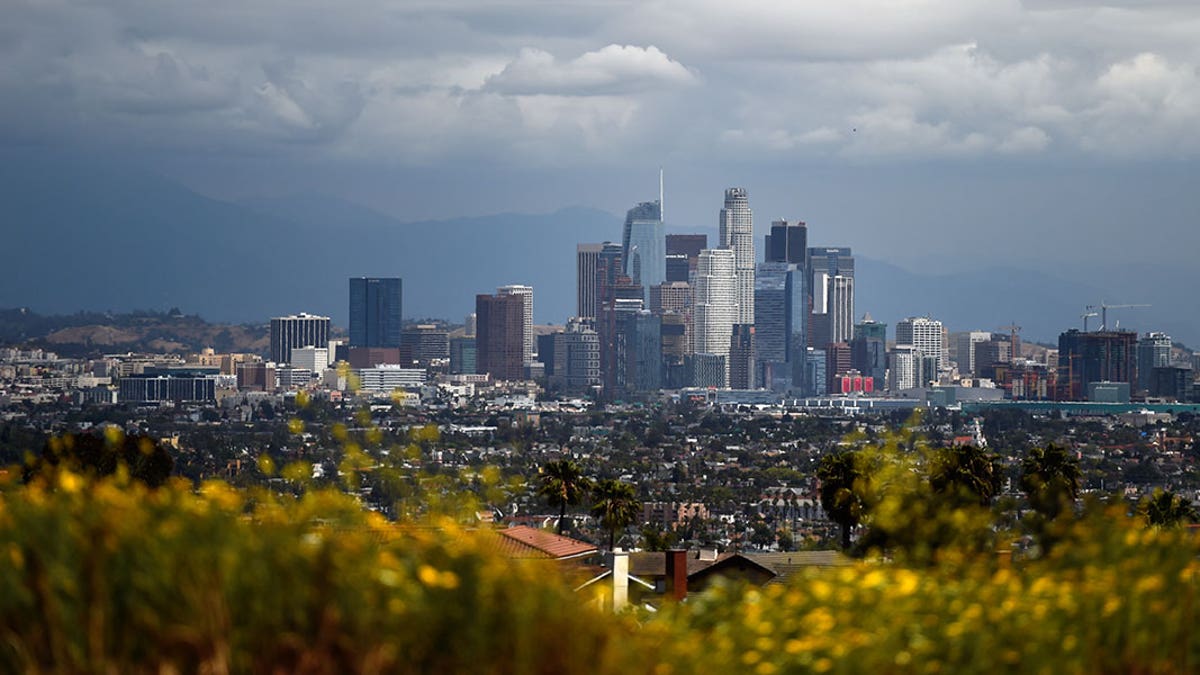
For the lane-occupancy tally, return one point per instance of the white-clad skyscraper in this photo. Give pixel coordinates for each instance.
(715, 310)
(737, 234)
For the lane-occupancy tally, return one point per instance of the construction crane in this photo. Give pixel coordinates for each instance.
(1087, 314)
(1014, 342)
(1104, 312)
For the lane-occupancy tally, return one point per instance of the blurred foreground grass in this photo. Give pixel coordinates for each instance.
(109, 576)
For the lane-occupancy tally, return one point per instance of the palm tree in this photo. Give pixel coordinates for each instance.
(843, 486)
(1167, 509)
(563, 485)
(967, 473)
(1050, 479)
(616, 505)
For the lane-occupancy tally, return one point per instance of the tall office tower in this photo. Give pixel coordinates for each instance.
(1153, 351)
(638, 341)
(644, 246)
(674, 349)
(741, 358)
(469, 325)
(426, 342)
(462, 356)
(678, 268)
(868, 350)
(714, 304)
(576, 358)
(830, 261)
(840, 306)
(500, 339)
(964, 345)
(788, 242)
(297, 330)
(674, 298)
(815, 377)
(737, 234)
(904, 367)
(545, 351)
(688, 245)
(587, 257)
(837, 363)
(526, 295)
(375, 311)
(610, 272)
(780, 323)
(926, 335)
(708, 370)
(1097, 356)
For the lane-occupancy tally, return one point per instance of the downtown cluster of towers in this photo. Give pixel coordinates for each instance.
(659, 311)
(669, 311)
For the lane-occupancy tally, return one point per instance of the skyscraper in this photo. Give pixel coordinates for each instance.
(926, 335)
(295, 331)
(499, 341)
(644, 246)
(737, 234)
(868, 350)
(587, 257)
(964, 344)
(526, 295)
(780, 318)
(741, 358)
(375, 312)
(788, 242)
(688, 245)
(576, 358)
(1096, 356)
(840, 306)
(1153, 351)
(714, 306)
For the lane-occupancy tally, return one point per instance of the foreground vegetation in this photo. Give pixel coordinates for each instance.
(107, 575)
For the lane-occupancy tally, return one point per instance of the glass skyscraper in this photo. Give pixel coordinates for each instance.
(780, 313)
(644, 244)
(375, 311)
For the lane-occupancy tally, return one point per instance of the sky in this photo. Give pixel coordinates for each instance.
(939, 134)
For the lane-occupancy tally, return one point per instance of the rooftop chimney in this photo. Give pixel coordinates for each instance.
(677, 574)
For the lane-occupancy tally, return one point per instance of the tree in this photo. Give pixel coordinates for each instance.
(966, 474)
(844, 482)
(1050, 479)
(89, 454)
(616, 505)
(563, 485)
(1167, 509)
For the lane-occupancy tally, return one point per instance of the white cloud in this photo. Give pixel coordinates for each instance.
(615, 69)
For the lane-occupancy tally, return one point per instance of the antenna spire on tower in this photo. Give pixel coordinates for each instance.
(662, 214)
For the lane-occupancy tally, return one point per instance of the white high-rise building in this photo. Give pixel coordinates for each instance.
(926, 335)
(840, 306)
(737, 234)
(526, 293)
(714, 307)
(904, 367)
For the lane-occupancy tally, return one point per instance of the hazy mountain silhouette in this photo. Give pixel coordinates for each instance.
(83, 236)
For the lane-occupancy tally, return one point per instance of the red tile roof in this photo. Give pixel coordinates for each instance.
(528, 542)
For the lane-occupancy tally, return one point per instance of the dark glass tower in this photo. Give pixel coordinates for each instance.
(788, 242)
(375, 312)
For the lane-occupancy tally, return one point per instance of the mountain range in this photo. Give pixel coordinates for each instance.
(83, 236)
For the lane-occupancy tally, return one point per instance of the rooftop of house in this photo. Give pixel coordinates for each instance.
(522, 541)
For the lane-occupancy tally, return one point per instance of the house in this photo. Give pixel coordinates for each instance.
(680, 572)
